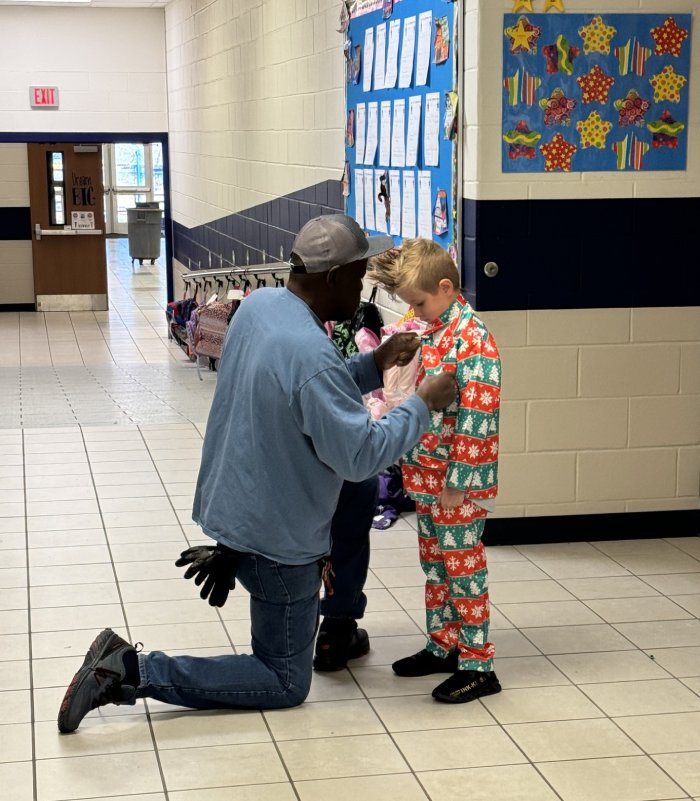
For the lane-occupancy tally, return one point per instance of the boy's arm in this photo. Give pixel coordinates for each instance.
(473, 459)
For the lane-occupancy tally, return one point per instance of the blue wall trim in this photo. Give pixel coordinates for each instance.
(15, 223)
(581, 254)
(257, 233)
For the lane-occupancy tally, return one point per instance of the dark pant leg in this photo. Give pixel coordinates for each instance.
(350, 529)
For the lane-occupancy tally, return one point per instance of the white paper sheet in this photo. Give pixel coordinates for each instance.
(360, 122)
(392, 54)
(425, 210)
(395, 190)
(368, 60)
(372, 122)
(398, 134)
(408, 49)
(369, 200)
(380, 208)
(385, 134)
(408, 205)
(414, 112)
(431, 133)
(360, 197)
(380, 56)
(425, 31)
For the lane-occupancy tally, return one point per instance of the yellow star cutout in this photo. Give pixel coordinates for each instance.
(520, 35)
(524, 5)
(558, 4)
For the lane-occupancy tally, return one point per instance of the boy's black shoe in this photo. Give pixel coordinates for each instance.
(424, 663)
(466, 685)
(339, 640)
(102, 679)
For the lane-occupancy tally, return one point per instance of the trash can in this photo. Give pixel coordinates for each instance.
(143, 232)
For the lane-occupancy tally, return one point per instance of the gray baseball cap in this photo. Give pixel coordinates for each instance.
(333, 240)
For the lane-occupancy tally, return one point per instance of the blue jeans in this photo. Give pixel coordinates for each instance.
(350, 529)
(284, 606)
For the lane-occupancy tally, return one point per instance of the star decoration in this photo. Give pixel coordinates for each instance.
(665, 131)
(593, 131)
(521, 141)
(523, 37)
(522, 5)
(557, 154)
(595, 85)
(632, 57)
(557, 108)
(596, 36)
(669, 38)
(560, 56)
(668, 84)
(632, 109)
(521, 88)
(630, 152)
(558, 4)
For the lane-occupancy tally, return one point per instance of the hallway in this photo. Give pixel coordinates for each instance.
(598, 644)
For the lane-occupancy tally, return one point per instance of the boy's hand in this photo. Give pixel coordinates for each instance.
(438, 391)
(451, 498)
(397, 351)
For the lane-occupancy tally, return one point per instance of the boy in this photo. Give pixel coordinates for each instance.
(452, 473)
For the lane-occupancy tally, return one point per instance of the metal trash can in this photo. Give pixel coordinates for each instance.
(143, 232)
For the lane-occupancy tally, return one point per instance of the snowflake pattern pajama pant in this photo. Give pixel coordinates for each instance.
(453, 559)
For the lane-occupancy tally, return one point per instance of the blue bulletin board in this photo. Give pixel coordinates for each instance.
(587, 92)
(410, 165)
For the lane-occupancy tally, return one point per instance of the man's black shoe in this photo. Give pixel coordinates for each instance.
(424, 663)
(339, 640)
(466, 685)
(102, 679)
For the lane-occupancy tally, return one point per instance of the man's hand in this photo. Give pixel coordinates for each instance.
(438, 391)
(397, 351)
(215, 566)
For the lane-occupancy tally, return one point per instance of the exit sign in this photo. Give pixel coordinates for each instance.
(43, 96)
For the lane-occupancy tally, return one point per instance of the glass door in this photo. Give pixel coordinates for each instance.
(133, 173)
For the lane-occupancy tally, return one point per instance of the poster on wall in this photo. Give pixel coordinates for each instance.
(404, 117)
(595, 92)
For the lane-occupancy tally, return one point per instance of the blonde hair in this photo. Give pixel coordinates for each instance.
(419, 264)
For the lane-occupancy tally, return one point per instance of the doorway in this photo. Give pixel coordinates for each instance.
(68, 243)
(132, 173)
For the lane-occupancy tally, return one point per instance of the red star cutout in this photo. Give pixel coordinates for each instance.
(557, 154)
(595, 85)
(669, 38)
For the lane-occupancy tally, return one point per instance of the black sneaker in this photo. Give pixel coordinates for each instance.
(99, 681)
(339, 640)
(466, 685)
(424, 663)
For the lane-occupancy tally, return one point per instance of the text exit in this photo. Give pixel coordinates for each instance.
(43, 96)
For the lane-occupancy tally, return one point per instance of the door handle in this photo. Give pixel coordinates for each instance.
(40, 232)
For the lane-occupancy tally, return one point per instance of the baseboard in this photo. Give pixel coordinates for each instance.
(586, 528)
(17, 307)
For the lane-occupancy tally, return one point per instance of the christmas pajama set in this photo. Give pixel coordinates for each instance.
(459, 451)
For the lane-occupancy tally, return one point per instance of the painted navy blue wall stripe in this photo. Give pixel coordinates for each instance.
(15, 223)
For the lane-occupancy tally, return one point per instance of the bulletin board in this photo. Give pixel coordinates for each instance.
(403, 179)
(595, 92)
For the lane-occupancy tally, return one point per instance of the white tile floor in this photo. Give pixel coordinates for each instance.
(598, 643)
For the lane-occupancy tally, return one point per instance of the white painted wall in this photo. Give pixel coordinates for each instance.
(16, 275)
(256, 101)
(109, 65)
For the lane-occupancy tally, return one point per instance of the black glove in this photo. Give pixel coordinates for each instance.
(215, 566)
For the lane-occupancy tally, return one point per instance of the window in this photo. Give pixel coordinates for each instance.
(57, 188)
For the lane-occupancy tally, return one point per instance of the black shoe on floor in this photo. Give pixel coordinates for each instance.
(424, 663)
(102, 679)
(466, 685)
(339, 640)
